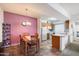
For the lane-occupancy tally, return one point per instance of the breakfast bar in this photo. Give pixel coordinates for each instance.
(59, 41)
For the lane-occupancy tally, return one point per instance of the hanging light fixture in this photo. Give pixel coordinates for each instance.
(26, 22)
(48, 25)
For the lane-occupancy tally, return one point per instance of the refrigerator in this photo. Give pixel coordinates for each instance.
(44, 32)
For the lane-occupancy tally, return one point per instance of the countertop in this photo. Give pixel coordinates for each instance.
(61, 35)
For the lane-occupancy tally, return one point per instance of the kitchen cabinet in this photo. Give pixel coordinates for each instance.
(59, 41)
(56, 42)
(67, 24)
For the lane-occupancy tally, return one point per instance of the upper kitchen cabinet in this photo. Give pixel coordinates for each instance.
(67, 25)
(52, 27)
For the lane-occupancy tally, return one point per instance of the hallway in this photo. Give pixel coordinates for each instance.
(46, 49)
(72, 49)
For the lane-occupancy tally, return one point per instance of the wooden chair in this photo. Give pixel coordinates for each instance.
(23, 45)
(30, 46)
(37, 41)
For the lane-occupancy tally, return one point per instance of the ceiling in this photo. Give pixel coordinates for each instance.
(35, 10)
(72, 9)
(44, 10)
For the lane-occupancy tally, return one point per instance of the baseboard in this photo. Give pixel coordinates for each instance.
(43, 40)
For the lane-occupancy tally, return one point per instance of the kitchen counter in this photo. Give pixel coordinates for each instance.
(62, 35)
(59, 41)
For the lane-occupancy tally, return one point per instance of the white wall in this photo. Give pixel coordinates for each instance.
(71, 30)
(1, 21)
(63, 42)
(39, 28)
(76, 29)
(59, 28)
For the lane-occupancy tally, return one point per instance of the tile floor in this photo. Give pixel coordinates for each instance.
(72, 49)
(47, 50)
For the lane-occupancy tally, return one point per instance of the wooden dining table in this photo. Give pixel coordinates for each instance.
(29, 46)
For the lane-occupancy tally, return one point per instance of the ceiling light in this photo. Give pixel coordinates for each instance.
(26, 23)
(52, 18)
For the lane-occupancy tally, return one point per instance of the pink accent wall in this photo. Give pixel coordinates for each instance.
(16, 28)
